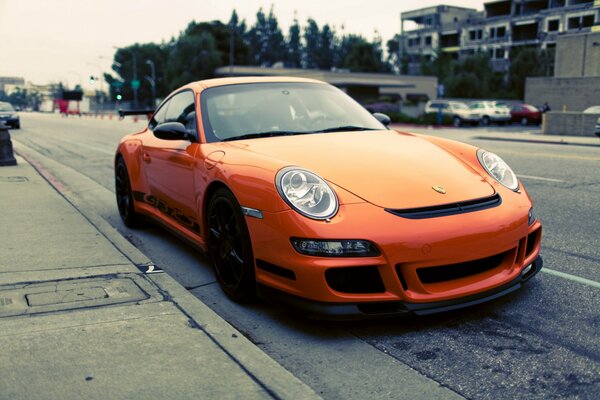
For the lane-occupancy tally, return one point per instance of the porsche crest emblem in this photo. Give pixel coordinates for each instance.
(439, 189)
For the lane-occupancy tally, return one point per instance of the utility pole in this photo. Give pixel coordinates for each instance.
(152, 81)
(135, 82)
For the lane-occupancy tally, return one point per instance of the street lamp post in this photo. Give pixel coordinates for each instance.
(152, 81)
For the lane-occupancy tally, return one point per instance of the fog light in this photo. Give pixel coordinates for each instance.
(526, 270)
(531, 218)
(334, 248)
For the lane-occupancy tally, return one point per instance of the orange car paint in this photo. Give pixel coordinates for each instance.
(183, 174)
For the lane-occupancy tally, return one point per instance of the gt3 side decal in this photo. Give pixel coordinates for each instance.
(174, 213)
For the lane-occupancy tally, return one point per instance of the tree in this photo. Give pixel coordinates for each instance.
(311, 43)
(222, 36)
(359, 55)
(265, 39)
(294, 46)
(192, 57)
(528, 62)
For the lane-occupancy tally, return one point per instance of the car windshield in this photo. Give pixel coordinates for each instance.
(6, 107)
(459, 106)
(254, 110)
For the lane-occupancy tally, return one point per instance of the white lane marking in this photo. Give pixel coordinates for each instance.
(571, 277)
(539, 178)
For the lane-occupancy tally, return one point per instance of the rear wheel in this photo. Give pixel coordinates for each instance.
(230, 248)
(125, 196)
(524, 121)
(456, 121)
(485, 120)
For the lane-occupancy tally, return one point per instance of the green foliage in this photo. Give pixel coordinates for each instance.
(265, 39)
(192, 57)
(528, 62)
(23, 98)
(359, 55)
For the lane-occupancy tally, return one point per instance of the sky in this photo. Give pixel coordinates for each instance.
(47, 41)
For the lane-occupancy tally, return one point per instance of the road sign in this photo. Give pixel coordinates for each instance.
(135, 84)
(117, 84)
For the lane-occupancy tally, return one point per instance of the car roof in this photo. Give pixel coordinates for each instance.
(208, 83)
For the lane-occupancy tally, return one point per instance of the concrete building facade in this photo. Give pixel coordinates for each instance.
(499, 29)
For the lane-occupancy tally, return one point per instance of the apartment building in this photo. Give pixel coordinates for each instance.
(501, 27)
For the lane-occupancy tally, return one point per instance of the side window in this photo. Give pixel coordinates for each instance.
(159, 116)
(182, 108)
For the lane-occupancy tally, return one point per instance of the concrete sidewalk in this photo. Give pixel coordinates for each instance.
(83, 316)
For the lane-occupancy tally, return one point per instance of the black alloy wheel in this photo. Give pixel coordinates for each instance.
(125, 196)
(485, 120)
(229, 247)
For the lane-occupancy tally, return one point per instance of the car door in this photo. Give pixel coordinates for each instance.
(169, 164)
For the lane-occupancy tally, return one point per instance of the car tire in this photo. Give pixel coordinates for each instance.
(124, 196)
(456, 122)
(230, 249)
(485, 120)
(524, 121)
(17, 125)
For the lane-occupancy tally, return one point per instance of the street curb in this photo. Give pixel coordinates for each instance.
(274, 378)
(537, 141)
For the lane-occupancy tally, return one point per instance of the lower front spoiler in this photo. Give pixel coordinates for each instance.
(349, 311)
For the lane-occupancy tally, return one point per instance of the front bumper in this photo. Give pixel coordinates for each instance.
(10, 121)
(348, 311)
(422, 261)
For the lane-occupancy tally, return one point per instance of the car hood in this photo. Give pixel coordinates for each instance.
(385, 168)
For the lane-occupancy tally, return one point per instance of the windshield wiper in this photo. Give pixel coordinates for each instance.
(264, 134)
(345, 128)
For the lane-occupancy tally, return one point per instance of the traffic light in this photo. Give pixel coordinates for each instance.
(92, 79)
(118, 97)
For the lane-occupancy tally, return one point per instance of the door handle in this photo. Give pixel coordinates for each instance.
(146, 157)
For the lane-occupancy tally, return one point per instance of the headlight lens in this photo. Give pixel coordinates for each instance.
(498, 169)
(306, 193)
(334, 248)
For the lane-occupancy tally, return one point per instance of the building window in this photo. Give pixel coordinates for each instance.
(413, 42)
(475, 34)
(492, 33)
(553, 25)
(427, 40)
(501, 31)
(582, 21)
(499, 53)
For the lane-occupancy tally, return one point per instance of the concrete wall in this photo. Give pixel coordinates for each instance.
(578, 55)
(569, 123)
(576, 94)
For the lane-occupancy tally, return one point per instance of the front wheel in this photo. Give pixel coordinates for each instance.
(456, 121)
(485, 121)
(230, 248)
(524, 121)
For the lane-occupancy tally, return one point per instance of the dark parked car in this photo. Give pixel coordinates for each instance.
(9, 116)
(525, 114)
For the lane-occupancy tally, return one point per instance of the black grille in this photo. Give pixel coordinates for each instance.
(355, 280)
(457, 271)
(448, 209)
(531, 239)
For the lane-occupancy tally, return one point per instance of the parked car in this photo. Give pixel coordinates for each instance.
(525, 114)
(491, 112)
(459, 112)
(9, 116)
(299, 194)
(594, 110)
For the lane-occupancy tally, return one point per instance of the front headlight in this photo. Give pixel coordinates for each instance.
(498, 169)
(306, 193)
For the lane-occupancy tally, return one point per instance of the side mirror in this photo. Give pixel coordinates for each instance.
(171, 131)
(384, 119)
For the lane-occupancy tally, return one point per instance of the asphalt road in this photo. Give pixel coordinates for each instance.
(542, 342)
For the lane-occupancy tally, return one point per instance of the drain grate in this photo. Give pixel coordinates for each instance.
(13, 179)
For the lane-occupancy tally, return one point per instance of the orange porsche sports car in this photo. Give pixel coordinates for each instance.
(298, 193)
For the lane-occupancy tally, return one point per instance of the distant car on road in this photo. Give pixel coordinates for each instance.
(298, 193)
(9, 116)
(459, 112)
(491, 112)
(525, 114)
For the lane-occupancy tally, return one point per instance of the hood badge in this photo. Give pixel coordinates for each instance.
(439, 189)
